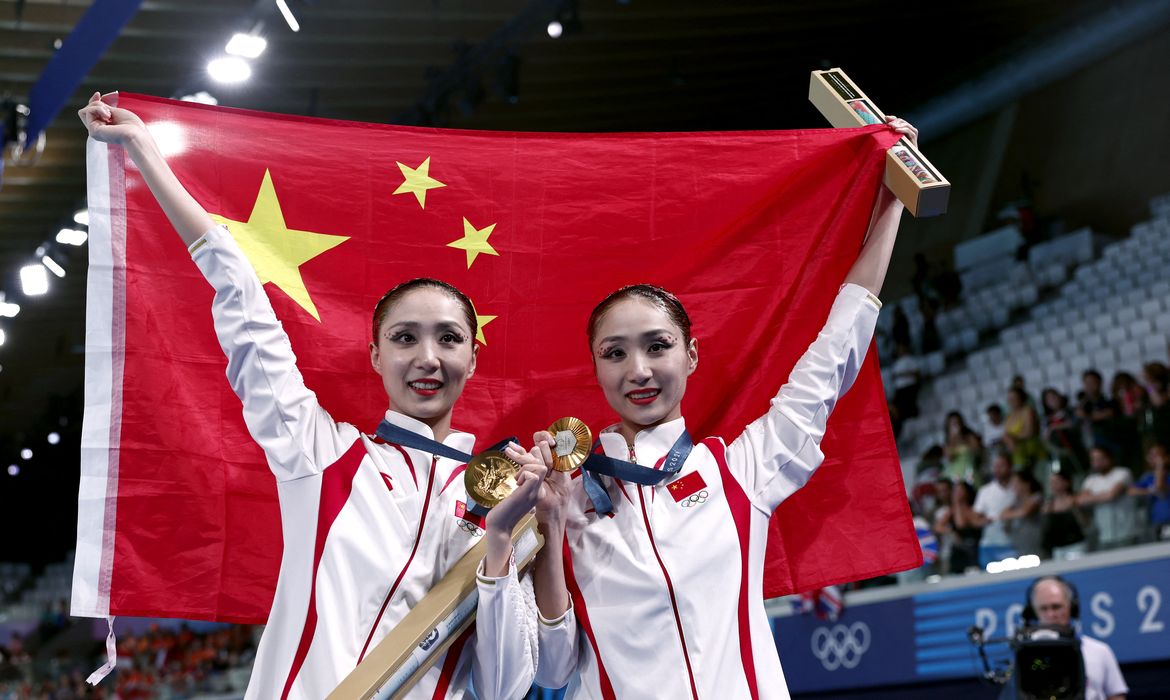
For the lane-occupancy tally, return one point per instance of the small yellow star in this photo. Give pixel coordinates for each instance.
(480, 322)
(418, 181)
(276, 251)
(474, 242)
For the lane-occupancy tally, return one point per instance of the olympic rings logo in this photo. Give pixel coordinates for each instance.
(694, 499)
(840, 646)
(470, 528)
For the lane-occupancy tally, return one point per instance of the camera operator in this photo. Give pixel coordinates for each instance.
(1053, 601)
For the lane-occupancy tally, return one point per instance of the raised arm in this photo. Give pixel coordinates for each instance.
(778, 453)
(298, 437)
(122, 127)
(869, 271)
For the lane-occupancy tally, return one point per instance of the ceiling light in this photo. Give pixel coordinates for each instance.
(13, 470)
(288, 15)
(54, 438)
(34, 280)
(26, 454)
(555, 29)
(7, 308)
(81, 216)
(202, 97)
(71, 236)
(246, 45)
(53, 266)
(229, 69)
(2, 336)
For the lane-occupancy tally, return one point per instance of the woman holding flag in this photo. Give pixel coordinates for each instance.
(370, 522)
(658, 588)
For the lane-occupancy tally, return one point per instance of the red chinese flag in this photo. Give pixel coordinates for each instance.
(754, 231)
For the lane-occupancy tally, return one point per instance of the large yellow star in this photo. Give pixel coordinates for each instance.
(276, 251)
(418, 181)
(480, 322)
(474, 242)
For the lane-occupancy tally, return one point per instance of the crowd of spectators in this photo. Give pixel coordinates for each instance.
(164, 663)
(1055, 478)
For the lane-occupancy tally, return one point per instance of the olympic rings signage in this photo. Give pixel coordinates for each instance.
(840, 645)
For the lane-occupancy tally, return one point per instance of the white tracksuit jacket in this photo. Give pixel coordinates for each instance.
(667, 595)
(369, 527)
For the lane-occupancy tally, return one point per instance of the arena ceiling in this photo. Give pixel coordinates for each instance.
(477, 64)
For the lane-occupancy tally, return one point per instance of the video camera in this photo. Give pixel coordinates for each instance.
(1046, 663)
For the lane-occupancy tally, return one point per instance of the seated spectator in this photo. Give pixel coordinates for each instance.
(939, 517)
(1021, 431)
(1018, 383)
(1097, 412)
(1156, 377)
(1023, 518)
(963, 528)
(963, 449)
(993, 428)
(930, 465)
(991, 501)
(1154, 486)
(1105, 491)
(907, 372)
(1063, 528)
(1062, 431)
(1131, 402)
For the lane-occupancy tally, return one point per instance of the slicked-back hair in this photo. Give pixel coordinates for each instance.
(656, 296)
(398, 291)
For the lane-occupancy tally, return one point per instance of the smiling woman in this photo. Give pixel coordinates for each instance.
(424, 364)
(658, 589)
(369, 525)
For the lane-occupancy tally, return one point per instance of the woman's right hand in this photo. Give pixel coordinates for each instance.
(110, 124)
(552, 502)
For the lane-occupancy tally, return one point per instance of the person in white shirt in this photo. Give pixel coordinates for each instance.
(1053, 602)
(1105, 490)
(369, 525)
(657, 590)
(992, 499)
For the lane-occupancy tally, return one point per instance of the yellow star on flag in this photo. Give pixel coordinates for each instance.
(480, 322)
(474, 242)
(276, 251)
(418, 181)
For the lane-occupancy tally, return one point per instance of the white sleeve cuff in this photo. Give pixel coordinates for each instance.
(557, 621)
(486, 581)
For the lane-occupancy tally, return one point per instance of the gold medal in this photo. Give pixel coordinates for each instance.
(572, 442)
(490, 477)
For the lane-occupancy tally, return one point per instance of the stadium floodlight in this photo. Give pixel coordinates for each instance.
(246, 45)
(202, 97)
(8, 309)
(34, 280)
(288, 15)
(229, 69)
(53, 266)
(72, 236)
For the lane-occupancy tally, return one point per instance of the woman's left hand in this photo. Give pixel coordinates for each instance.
(903, 127)
(523, 499)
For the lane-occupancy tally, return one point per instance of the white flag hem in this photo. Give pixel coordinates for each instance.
(104, 346)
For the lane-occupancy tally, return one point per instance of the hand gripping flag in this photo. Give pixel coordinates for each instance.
(754, 231)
